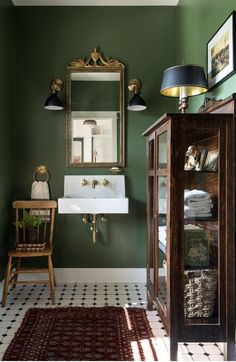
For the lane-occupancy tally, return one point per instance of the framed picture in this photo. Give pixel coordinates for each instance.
(78, 150)
(195, 158)
(211, 163)
(202, 159)
(196, 253)
(221, 50)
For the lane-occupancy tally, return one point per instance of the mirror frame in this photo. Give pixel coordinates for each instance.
(94, 63)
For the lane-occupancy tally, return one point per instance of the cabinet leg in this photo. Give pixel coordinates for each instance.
(173, 350)
(149, 302)
(229, 351)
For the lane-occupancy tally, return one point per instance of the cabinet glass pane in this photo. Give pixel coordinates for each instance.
(151, 226)
(162, 151)
(162, 238)
(201, 229)
(151, 155)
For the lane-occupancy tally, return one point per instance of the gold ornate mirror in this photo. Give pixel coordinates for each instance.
(95, 112)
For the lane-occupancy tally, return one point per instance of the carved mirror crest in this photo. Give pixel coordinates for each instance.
(95, 112)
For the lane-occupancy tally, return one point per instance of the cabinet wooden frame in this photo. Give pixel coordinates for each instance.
(218, 128)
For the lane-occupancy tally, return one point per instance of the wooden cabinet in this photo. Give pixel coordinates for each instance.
(190, 227)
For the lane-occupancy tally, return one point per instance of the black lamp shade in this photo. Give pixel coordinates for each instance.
(184, 81)
(136, 103)
(53, 103)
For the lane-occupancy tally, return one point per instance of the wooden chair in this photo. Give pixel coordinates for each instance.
(41, 246)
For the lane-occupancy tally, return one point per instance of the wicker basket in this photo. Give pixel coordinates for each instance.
(30, 247)
(200, 293)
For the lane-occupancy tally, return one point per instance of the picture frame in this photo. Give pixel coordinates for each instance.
(196, 251)
(202, 158)
(195, 157)
(211, 163)
(221, 53)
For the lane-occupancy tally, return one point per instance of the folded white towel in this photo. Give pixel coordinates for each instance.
(196, 194)
(162, 233)
(162, 206)
(196, 203)
(195, 213)
(198, 209)
(200, 206)
(40, 190)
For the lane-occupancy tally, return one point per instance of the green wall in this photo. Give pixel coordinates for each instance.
(197, 22)
(47, 39)
(6, 145)
(147, 40)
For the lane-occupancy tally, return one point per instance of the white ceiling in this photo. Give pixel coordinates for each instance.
(95, 2)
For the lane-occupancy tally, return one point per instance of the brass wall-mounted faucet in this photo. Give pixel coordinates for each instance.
(83, 182)
(105, 182)
(94, 183)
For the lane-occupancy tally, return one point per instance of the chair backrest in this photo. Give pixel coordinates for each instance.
(34, 223)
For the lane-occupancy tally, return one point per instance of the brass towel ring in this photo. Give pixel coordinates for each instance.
(41, 170)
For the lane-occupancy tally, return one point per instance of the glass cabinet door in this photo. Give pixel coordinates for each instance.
(161, 218)
(150, 210)
(201, 227)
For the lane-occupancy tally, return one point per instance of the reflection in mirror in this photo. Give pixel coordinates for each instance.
(95, 112)
(95, 137)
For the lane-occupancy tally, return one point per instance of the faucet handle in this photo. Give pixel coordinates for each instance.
(83, 182)
(105, 182)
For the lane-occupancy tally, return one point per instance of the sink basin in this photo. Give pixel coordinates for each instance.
(78, 199)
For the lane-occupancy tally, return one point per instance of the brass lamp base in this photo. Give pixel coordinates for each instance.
(183, 104)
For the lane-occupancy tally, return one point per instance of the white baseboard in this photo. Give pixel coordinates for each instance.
(100, 275)
(91, 275)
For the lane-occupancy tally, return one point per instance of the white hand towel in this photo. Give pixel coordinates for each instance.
(40, 190)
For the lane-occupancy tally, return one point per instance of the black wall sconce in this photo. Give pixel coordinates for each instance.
(53, 102)
(136, 103)
(183, 81)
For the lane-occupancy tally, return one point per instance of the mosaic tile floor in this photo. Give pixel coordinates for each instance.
(128, 295)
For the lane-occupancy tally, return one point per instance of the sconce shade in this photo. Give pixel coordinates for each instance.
(53, 103)
(136, 103)
(91, 123)
(184, 81)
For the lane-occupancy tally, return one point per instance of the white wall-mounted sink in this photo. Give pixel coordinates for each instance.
(100, 199)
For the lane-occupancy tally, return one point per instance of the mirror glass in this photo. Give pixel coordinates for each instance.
(95, 112)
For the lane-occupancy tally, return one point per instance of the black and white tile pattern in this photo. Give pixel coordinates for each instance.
(96, 295)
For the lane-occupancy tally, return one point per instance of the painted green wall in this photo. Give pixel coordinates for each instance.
(6, 77)
(47, 39)
(197, 22)
(147, 40)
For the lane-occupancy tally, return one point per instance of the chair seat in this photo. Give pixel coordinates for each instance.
(16, 253)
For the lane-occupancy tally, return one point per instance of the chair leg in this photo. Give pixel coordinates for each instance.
(7, 281)
(54, 278)
(51, 279)
(18, 262)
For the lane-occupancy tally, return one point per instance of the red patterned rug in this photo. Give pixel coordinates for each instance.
(83, 333)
